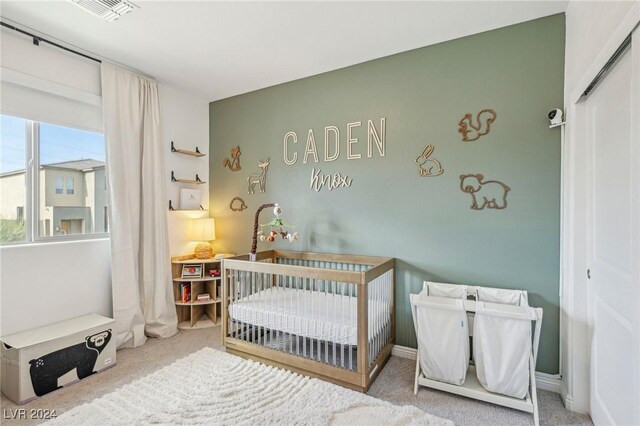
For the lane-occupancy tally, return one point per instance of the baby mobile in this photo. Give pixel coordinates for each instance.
(274, 228)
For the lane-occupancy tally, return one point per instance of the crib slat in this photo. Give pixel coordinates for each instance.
(335, 310)
(306, 307)
(297, 313)
(350, 331)
(255, 313)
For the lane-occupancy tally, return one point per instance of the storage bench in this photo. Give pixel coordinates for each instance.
(38, 361)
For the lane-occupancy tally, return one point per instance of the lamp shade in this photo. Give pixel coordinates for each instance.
(202, 230)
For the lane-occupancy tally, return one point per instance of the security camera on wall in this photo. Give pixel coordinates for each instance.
(555, 117)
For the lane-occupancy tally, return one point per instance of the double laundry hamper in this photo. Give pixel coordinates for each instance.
(503, 359)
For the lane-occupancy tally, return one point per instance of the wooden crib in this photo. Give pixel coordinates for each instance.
(329, 316)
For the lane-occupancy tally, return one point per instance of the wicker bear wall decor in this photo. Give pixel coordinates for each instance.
(471, 131)
(432, 167)
(490, 194)
(234, 163)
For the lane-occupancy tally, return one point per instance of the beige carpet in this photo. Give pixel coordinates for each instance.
(395, 384)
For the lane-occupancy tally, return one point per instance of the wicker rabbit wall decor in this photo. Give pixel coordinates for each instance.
(432, 166)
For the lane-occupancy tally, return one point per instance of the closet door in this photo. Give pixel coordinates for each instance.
(613, 216)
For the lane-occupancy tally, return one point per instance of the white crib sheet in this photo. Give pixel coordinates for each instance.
(312, 314)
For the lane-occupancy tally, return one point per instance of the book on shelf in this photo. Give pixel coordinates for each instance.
(204, 297)
(185, 292)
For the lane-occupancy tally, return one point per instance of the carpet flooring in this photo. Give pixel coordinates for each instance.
(395, 384)
(211, 387)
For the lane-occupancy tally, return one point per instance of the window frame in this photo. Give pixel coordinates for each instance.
(61, 180)
(31, 210)
(73, 186)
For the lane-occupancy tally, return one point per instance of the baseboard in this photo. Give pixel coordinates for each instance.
(567, 399)
(404, 352)
(544, 381)
(548, 382)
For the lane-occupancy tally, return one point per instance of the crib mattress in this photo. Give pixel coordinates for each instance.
(313, 314)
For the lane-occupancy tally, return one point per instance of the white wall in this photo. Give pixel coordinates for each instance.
(47, 282)
(185, 122)
(592, 30)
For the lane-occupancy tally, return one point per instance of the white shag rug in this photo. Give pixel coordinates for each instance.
(215, 388)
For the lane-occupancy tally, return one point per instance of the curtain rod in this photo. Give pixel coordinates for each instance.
(37, 39)
(607, 67)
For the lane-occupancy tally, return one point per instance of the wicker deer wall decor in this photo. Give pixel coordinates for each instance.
(259, 179)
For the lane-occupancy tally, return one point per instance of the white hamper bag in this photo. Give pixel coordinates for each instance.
(502, 347)
(443, 337)
(501, 295)
(455, 291)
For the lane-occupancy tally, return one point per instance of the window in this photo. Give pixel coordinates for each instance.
(59, 185)
(70, 186)
(12, 178)
(42, 167)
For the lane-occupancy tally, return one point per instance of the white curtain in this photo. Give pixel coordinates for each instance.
(140, 262)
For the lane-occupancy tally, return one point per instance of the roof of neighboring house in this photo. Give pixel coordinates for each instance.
(76, 164)
(80, 165)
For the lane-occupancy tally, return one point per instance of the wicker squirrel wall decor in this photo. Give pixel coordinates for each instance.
(471, 131)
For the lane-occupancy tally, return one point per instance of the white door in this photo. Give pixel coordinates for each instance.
(613, 226)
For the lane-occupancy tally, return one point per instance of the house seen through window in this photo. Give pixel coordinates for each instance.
(68, 182)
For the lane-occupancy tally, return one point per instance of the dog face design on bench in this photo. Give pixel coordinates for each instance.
(46, 370)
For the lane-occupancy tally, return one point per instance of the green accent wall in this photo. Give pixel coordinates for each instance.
(389, 210)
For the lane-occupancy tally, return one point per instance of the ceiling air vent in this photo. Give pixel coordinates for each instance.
(109, 10)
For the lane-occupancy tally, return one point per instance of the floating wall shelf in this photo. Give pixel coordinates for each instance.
(195, 153)
(197, 181)
(202, 209)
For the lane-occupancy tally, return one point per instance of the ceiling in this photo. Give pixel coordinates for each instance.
(217, 49)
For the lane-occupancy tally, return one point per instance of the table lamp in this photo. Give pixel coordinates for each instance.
(202, 231)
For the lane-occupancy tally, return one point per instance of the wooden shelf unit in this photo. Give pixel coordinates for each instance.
(194, 314)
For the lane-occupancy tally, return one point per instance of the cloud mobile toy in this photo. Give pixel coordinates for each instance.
(277, 226)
